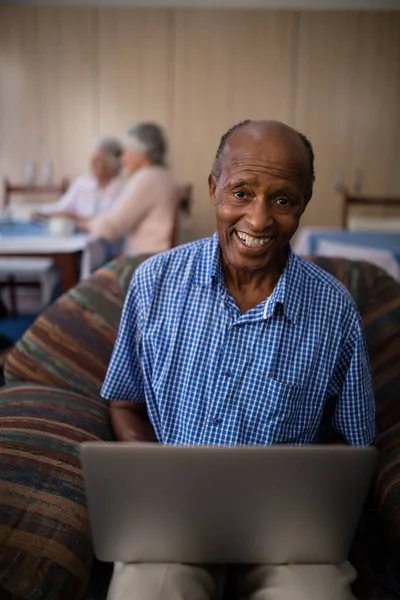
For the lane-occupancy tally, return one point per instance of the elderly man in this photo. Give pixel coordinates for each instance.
(94, 192)
(236, 340)
(145, 213)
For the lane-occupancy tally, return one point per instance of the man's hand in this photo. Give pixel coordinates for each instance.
(83, 224)
(131, 422)
(38, 216)
(63, 214)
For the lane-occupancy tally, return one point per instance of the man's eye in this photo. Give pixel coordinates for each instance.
(283, 201)
(240, 194)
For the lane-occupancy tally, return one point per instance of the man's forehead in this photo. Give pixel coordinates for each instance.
(270, 137)
(266, 146)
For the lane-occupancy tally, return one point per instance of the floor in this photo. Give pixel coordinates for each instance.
(13, 328)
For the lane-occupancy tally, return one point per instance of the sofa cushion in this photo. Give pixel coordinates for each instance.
(70, 344)
(45, 542)
(378, 299)
(125, 269)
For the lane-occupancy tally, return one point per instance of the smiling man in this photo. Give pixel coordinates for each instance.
(236, 340)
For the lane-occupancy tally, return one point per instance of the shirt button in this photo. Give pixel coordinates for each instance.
(217, 420)
(228, 373)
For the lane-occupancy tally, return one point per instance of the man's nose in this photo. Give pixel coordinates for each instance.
(259, 214)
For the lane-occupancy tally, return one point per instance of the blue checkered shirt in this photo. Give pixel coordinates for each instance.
(279, 373)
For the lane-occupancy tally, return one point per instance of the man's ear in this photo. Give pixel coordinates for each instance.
(212, 186)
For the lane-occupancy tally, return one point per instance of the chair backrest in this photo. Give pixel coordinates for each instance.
(185, 198)
(20, 188)
(183, 207)
(350, 200)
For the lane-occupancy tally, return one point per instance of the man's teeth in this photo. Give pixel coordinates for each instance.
(251, 241)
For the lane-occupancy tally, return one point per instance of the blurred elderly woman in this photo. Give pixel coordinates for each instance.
(144, 215)
(94, 192)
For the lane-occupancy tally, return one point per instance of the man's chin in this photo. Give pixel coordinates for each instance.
(254, 262)
(267, 258)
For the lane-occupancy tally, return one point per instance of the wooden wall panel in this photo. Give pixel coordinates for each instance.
(65, 85)
(135, 68)
(326, 61)
(20, 126)
(374, 140)
(67, 74)
(229, 65)
(46, 89)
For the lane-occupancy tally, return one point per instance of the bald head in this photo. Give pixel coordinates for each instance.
(261, 133)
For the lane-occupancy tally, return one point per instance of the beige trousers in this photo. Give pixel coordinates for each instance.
(191, 582)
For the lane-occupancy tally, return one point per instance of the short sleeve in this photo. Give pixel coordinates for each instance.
(124, 379)
(67, 202)
(354, 414)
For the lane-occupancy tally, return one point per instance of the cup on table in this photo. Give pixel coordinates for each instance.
(61, 226)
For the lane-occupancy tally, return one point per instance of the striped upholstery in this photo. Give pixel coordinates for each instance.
(45, 546)
(69, 347)
(45, 543)
(70, 344)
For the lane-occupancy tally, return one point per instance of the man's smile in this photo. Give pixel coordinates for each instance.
(251, 241)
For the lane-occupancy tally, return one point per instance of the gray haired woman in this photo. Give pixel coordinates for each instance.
(94, 192)
(145, 213)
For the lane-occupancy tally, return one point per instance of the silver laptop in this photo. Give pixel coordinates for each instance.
(270, 505)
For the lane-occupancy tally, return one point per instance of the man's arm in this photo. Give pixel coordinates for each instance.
(124, 384)
(82, 223)
(64, 207)
(131, 422)
(136, 200)
(354, 414)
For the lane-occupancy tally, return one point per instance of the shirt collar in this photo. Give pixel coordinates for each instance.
(209, 266)
(287, 292)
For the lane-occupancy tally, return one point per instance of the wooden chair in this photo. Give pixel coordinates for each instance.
(18, 188)
(183, 208)
(185, 198)
(350, 201)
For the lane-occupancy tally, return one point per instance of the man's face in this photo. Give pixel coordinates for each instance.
(259, 197)
(100, 165)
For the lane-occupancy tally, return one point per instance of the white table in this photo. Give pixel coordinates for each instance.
(65, 251)
(75, 255)
(29, 270)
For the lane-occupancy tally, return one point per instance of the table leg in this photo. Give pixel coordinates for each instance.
(68, 265)
(13, 295)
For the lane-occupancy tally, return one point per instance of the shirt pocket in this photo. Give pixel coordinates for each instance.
(272, 414)
(282, 399)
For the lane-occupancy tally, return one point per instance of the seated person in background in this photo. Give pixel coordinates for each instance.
(234, 339)
(94, 192)
(145, 212)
